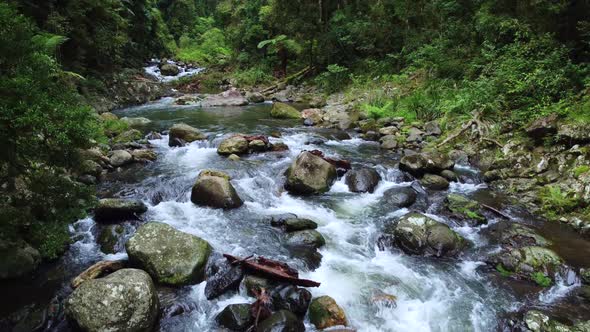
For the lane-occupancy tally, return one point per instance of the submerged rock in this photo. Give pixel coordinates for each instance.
(213, 189)
(418, 234)
(281, 321)
(235, 317)
(294, 224)
(434, 182)
(310, 174)
(236, 144)
(324, 312)
(123, 301)
(284, 111)
(362, 180)
(307, 238)
(170, 256)
(118, 209)
(182, 133)
(18, 259)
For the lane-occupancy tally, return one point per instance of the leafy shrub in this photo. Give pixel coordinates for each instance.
(556, 202)
(581, 170)
(335, 78)
(541, 279)
(253, 76)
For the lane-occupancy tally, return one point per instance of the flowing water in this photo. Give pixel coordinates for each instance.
(432, 294)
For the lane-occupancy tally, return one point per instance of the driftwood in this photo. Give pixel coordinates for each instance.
(341, 164)
(502, 214)
(272, 269)
(478, 126)
(261, 309)
(99, 269)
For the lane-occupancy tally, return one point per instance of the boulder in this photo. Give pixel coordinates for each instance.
(517, 236)
(257, 145)
(128, 136)
(170, 256)
(537, 321)
(255, 97)
(543, 127)
(294, 224)
(136, 122)
(400, 197)
(465, 208)
(169, 69)
(534, 263)
(120, 158)
(281, 321)
(312, 116)
(235, 317)
(449, 175)
(236, 144)
(284, 111)
(144, 154)
(574, 133)
(308, 238)
(324, 312)
(362, 180)
(367, 125)
(387, 131)
(183, 133)
(231, 97)
(221, 276)
(310, 174)
(417, 234)
(90, 167)
(422, 163)
(291, 298)
(371, 136)
(389, 142)
(234, 157)
(18, 259)
(123, 301)
(118, 209)
(415, 135)
(109, 238)
(432, 128)
(213, 189)
(434, 182)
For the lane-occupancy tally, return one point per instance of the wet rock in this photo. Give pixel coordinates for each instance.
(234, 157)
(213, 189)
(144, 154)
(281, 321)
(123, 301)
(449, 175)
(418, 234)
(284, 111)
(389, 142)
(324, 312)
(120, 158)
(18, 259)
(221, 277)
(254, 284)
(432, 128)
(257, 145)
(181, 133)
(118, 209)
(465, 208)
(585, 275)
(434, 182)
(255, 97)
(543, 127)
(279, 147)
(307, 238)
(517, 236)
(231, 97)
(90, 167)
(422, 163)
(537, 321)
(236, 144)
(235, 317)
(310, 174)
(169, 69)
(168, 255)
(109, 238)
(294, 224)
(136, 122)
(362, 180)
(291, 298)
(312, 116)
(400, 197)
(534, 263)
(154, 135)
(128, 136)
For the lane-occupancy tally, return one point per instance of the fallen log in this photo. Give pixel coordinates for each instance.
(97, 270)
(272, 269)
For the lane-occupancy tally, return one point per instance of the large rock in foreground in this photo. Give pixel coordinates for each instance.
(310, 174)
(117, 209)
(362, 180)
(324, 312)
(418, 234)
(422, 163)
(284, 111)
(170, 256)
(213, 189)
(182, 133)
(123, 301)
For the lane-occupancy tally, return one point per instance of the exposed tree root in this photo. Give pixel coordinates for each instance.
(480, 130)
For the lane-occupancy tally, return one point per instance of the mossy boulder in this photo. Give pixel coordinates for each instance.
(182, 133)
(537, 321)
(362, 180)
(427, 162)
(214, 189)
(169, 69)
(310, 174)
(235, 317)
(125, 300)
(118, 209)
(17, 259)
(517, 235)
(284, 111)
(324, 312)
(418, 234)
(534, 263)
(236, 144)
(465, 208)
(434, 182)
(281, 321)
(294, 224)
(109, 238)
(307, 238)
(128, 136)
(120, 158)
(90, 167)
(170, 256)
